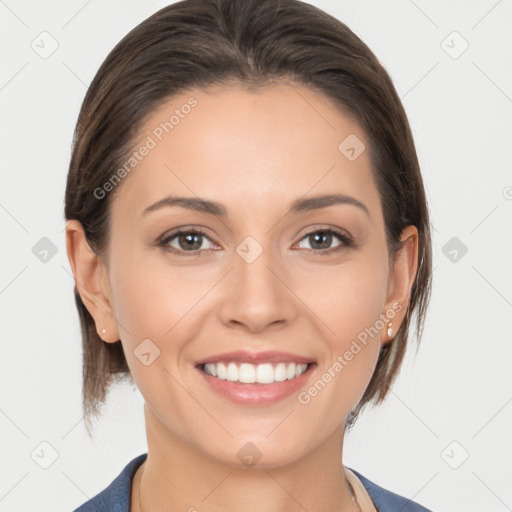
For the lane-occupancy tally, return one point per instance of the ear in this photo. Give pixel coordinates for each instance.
(403, 271)
(91, 279)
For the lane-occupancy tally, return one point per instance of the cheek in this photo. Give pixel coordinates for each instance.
(150, 297)
(155, 301)
(349, 303)
(347, 298)
(145, 309)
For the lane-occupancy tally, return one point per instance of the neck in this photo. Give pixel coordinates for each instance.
(179, 474)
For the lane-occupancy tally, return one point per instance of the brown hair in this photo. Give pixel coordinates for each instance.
(251, 43)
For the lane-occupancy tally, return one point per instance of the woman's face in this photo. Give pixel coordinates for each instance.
(265, 273)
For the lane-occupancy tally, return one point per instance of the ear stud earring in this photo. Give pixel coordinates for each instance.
(390, 330)
(103, 331)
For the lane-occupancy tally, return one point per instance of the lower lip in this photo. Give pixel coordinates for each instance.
(257, 394)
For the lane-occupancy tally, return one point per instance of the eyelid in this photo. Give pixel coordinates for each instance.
(314, 228)
(164, 241)
(346, 240)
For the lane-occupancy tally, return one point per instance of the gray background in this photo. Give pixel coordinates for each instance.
(442, 437)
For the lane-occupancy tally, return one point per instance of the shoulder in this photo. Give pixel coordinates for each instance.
(115, 497)
(387, 501)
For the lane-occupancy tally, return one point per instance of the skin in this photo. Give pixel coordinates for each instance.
(255, 153)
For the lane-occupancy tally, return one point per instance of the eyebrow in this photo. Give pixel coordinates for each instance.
(214, 208)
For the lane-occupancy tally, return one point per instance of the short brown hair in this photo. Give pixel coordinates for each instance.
(252, 43)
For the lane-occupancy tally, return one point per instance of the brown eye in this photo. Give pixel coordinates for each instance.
(192, 241)
(182, 242)
(321, 241)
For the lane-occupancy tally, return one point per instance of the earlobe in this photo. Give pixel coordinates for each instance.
(90, 277)
(404, 268)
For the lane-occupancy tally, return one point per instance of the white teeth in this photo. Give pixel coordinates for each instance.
(246, 373)
(211, 369)
(232, 372)
(221, 371)
(249, 373)
(280, 372)
(265, 373)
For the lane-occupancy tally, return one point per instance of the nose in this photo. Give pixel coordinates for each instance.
(256, 295)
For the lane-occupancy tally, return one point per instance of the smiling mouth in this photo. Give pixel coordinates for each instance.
(247, 373)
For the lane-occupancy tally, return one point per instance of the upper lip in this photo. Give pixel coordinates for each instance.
(243, 356)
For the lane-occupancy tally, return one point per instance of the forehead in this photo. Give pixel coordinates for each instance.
(248, 148)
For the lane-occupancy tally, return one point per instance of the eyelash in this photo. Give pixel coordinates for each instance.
(345, 242)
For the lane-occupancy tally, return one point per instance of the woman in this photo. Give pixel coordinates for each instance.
(249, 236)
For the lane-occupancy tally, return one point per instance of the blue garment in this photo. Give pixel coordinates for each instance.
(116, 497)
